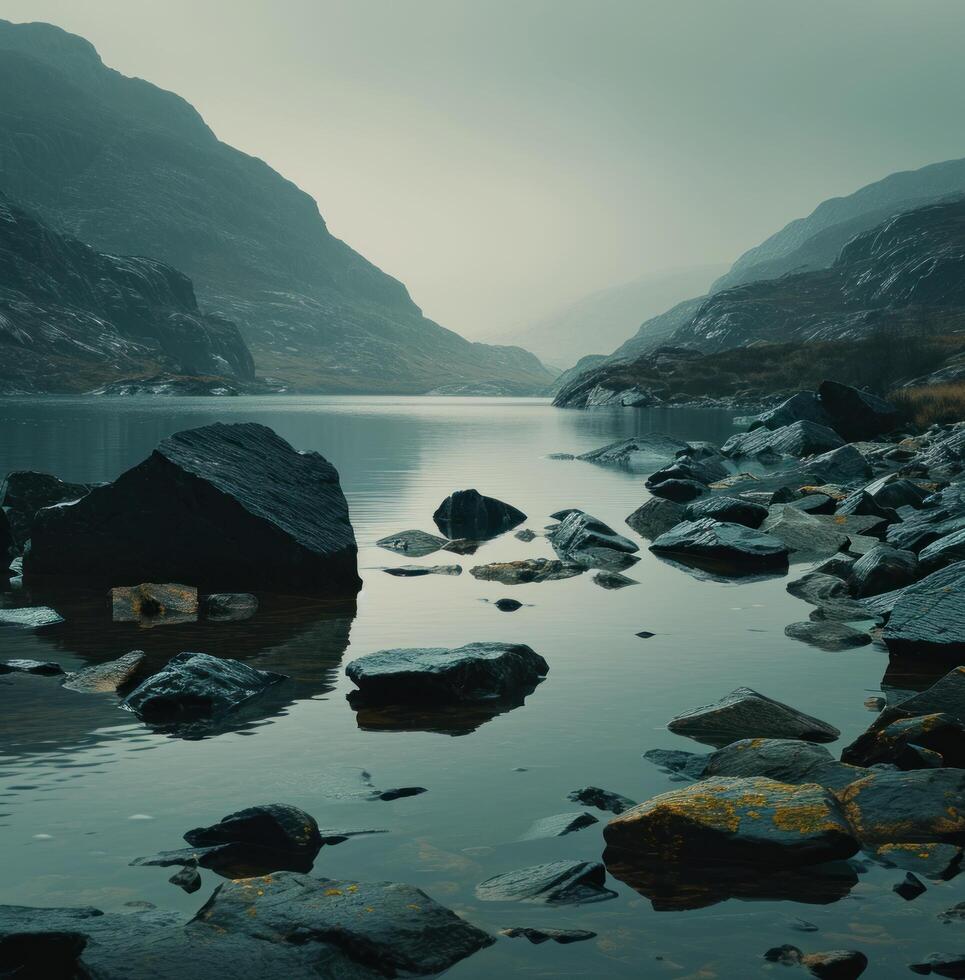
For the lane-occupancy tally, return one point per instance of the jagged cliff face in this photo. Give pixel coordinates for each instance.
(133, 169)
(905, 276)
(72, 317)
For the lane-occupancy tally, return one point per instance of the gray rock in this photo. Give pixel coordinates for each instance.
(640, 452)
(744, 713)
(783, 759)
(728, 510)
(538, 936)
(41, 667)
(804, 406)
(557, 883)
(416, 571)
(526, 571)
(882, 569)
(939, 862)
(727, 546)
(108, 677)
(843, 611)
(893, 492)
(929, 617)
(655, 517)
(30, 618)
(601, 799)
(704, 470)
(814, 503)
(802, 438)
(153, 603)
(941, 964)
(508, 605)
(687, 765)
(818, 588)
(803, 533)
(416, 544)
(751, 821)
(477, 671)
(197, 688)
(943, 551)
(828, 635)
(559, 825)
(229, 607)
(613, 580)
(468, 514)
(221, 507)
(845, 465)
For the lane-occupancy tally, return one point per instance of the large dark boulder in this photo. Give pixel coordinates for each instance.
(751, 821)
(657, 516)
(221, 507)
(803, 533)
(579, 534)
(24, 492)
(928, 617)
(891, 806)
(475, 672)
(679, 491)
(882, 569)
(856, 414)
(197, 688)
(728, 547)
(468, 514)
(744, 713)
(703, 471)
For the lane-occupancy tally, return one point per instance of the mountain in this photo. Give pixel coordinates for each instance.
(815, 241)
(599, 322)
(72, 317)
(133, 169)
(899, 282)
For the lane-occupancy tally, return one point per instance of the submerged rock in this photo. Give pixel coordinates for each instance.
(857, 414)
(679, 491)
(151, 603)
(602, 799)
(613, 580)
(400, 793)
(746, 714)
(754, 821)
(107, 677)
(640, 452)
(188, 879)
(527, 570)
(468, 514)
(221, 506)
(417, 571)
(508, 605)
(728, 546)
(558, 883)
(477, 671)
(197, 687)
(801, 438)
(941, 964)
(818, 588)
(417, 544)
(940, 862)
(835, 964)
(579, 533)
(827, 635)
(909, 888)
(227, 607)
(559, 825)
(805, 533)
(899, 743)
(525, 535)
(537, 936)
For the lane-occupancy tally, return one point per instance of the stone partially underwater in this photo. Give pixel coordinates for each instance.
(220, 507)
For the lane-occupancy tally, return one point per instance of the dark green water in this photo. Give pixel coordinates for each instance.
(84, 788)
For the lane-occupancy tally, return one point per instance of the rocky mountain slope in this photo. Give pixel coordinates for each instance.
(133, 169)
(900, 283)
(814, 242)
(599, 322)
(72, 317)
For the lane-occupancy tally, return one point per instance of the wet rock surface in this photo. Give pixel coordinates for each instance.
(709, 543)
(469, 514)
(744, 713)
(527, 570)
(928, 617)
(221, 506)
(828, 635)
(559, 825)
(475, 672)
(151, 603)
(601, 799)
(24, 492)
(108, 677)
(30, 618)
(416, 544)
(557, 883)
(417, 571)
(229, 607)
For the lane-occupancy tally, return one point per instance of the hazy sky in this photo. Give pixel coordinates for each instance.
(502, 157)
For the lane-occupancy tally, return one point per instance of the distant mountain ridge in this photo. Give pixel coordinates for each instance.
(133, 169)
(72, 317)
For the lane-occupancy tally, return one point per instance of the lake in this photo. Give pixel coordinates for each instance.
(85, 788)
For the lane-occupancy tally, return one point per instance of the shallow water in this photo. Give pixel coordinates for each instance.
(85, 788)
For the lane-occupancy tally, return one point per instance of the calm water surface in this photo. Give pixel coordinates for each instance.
(85, 788)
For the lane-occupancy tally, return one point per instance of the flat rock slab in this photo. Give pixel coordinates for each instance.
(891, 807)
(196, 686)
(613, 580)
(30, 618)
(882, 569)
(559, 825)
(475, 672)
(640, 452)
(526, 571)
(416, 571)
(754, 821)
(818, 588)
(42, 667)
(108, 677)
(831, 636)
(726, 546)
(928, 618)
(804, 533)
(416, 544)
(727, 510)
(221, 507)
(744, 713)
(557, 883)
(469, 514)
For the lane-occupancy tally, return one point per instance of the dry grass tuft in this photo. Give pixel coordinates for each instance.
(932, 403)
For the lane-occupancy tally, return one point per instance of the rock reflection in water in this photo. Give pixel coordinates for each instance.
(677, 887)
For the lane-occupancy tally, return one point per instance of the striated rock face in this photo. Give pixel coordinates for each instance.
(222, 506)
(736, 821)
(928, 617)
(802, 438)
(732, 547)
(136, 171)
(557, 883)
(72, 317)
